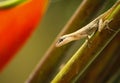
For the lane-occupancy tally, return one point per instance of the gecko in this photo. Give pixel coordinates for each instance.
(96, 25)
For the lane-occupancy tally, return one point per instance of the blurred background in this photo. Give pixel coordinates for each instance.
(58, 13)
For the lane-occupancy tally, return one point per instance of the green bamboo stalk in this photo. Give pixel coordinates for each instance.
(83, 58)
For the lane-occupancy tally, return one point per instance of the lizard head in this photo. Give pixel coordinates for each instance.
(64, 40)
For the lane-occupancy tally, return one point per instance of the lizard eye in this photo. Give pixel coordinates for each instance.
(60, 40)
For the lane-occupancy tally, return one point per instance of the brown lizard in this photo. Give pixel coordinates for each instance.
(97, 24)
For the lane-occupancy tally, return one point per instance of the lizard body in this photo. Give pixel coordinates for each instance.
(97, 24)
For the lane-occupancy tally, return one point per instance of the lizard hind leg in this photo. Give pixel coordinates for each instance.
(107, 26)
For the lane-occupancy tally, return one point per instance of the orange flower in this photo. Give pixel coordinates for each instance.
(16, 25)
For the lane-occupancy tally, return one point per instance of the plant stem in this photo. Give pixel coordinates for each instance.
(83, 58)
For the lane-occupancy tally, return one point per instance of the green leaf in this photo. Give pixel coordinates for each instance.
(10, 3)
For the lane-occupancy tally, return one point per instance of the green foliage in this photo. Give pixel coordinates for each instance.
(10, 3)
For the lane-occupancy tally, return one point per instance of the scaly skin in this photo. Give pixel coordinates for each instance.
(16, 25)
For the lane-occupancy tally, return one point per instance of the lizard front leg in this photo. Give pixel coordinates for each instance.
(104, 24)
